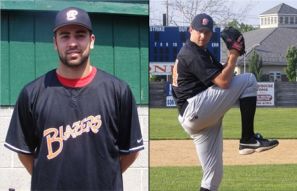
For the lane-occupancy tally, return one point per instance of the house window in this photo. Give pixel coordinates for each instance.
(291, 20)
(286, 20)
(295, 20)
(274, 20)
(275, 76)
(280, 20)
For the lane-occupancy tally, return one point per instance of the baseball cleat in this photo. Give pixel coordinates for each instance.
(258, 144)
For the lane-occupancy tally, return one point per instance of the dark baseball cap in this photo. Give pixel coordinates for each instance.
(72, 16)
(202, 21)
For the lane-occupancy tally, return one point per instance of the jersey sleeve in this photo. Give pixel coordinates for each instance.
(130, 138)
(20, 136)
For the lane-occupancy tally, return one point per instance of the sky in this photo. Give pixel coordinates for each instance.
(158, 7)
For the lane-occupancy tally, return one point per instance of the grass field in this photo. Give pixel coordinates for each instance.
(236, 178)
(271, 122)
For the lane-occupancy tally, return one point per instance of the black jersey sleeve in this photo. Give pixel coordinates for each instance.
(130, 138)
(20, 136)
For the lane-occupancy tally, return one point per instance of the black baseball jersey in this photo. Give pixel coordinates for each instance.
(75, 134)
(193, 72)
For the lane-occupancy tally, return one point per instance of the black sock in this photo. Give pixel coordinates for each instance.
(204, 189)
(248, 110)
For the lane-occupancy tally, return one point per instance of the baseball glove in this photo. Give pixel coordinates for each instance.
(233, 39)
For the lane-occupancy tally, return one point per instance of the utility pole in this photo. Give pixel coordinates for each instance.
(164, 19)
(167, 13)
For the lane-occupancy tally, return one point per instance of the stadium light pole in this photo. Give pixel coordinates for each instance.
(247, 52)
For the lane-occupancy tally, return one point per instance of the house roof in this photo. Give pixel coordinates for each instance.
(271, 44)
(281, 9)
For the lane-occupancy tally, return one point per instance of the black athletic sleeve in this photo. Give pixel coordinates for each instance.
(20, 136)
(130, 138)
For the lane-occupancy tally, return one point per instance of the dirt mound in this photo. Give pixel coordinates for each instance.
(182, 153)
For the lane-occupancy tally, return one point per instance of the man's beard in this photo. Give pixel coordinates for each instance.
(83, 61)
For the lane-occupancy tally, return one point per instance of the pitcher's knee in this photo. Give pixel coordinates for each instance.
(250, 77)
(253, 82)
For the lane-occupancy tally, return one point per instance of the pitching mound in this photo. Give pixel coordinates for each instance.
(182, 153)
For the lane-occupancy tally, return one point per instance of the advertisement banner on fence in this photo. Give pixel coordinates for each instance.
(170, 101)
(265, 94)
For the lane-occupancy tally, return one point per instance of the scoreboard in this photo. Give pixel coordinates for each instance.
(165, 43)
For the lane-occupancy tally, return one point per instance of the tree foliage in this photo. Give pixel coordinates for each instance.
(255, 65)
(241, 26)
(291, 58)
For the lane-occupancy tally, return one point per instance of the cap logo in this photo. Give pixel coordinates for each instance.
(205, 21)
(71, 15)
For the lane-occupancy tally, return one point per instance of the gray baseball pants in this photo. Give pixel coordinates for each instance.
(202, 120)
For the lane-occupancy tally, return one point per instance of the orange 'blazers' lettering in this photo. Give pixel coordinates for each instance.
(53, 135)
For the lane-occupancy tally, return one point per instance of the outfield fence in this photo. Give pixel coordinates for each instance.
(285, 94)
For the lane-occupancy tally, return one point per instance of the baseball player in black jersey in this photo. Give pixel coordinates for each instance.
(205, 90)
(76, 127)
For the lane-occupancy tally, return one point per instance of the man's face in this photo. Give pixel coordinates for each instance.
(73, 44)
(200, 37)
